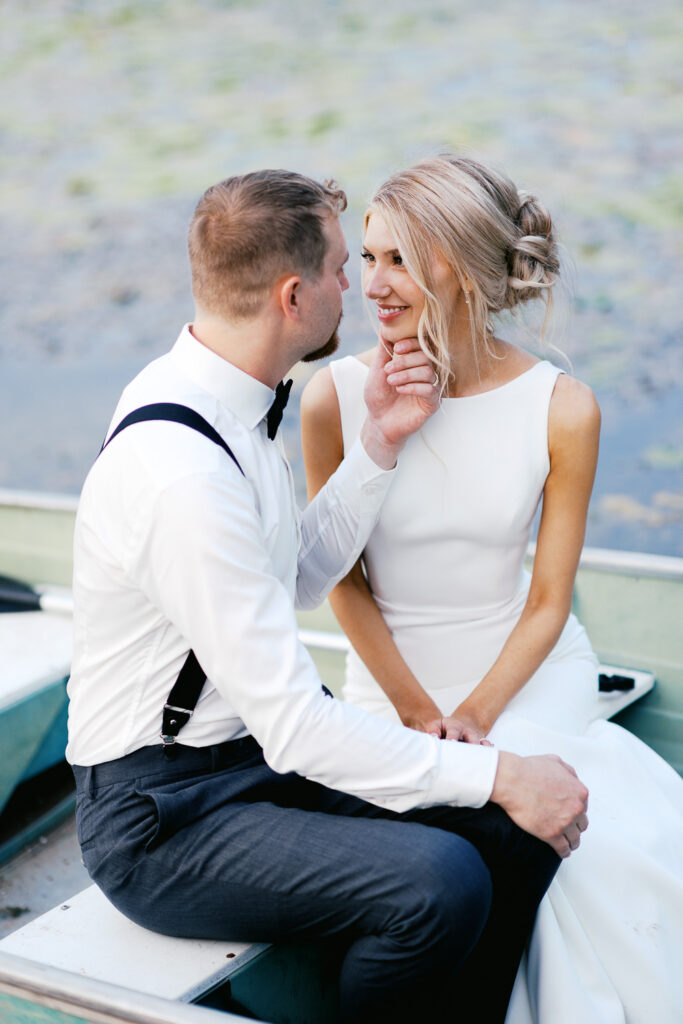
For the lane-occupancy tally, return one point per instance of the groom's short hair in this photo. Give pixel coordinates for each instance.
(252, 229)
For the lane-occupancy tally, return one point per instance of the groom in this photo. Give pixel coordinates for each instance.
(272, 811)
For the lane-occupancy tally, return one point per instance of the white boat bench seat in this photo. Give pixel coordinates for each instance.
(36, 652)
(88, 936)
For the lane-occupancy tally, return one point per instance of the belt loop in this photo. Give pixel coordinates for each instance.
(90, 781)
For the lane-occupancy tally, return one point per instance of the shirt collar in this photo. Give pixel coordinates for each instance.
(242, 394)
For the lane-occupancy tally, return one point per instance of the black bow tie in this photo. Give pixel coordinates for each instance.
(276, 410)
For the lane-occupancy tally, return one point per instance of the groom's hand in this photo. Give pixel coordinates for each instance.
(544, 796)
(400, 397)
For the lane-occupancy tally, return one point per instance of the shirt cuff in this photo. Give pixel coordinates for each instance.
(466, 774)
(357, 472)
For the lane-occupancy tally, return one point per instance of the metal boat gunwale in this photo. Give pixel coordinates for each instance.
(103, 1002)
(627, 563)
(607, 559)
(596, 558)
(39, 499)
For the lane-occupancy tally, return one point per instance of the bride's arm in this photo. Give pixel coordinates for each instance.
(352, 600)
(573, 435)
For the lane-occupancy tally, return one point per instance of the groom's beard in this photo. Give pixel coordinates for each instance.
(328, 349)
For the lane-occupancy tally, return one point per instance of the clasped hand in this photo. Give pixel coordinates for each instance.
(452, 728)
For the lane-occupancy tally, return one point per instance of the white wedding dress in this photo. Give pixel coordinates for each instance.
(445, 566)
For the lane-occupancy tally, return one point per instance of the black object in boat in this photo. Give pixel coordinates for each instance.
(16, 596)
(608, 684)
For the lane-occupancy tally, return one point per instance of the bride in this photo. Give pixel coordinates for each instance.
(450, 635)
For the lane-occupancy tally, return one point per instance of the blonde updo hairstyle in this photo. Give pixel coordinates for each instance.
(497, 240)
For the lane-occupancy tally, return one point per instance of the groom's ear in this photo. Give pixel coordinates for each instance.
(288, 295)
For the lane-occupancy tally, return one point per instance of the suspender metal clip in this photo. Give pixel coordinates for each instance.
(173, 720)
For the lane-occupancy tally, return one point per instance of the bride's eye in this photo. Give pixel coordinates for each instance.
(398, 260)
(367, 256)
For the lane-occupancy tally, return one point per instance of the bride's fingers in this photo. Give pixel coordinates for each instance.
(451, 729)
(474, 736)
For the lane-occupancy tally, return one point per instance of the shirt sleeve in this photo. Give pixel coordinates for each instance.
(336, 525)
(205, 566)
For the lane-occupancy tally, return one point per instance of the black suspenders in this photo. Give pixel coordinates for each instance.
(187, 688)
(174, 413)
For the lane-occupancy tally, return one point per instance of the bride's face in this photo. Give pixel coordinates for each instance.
(399, 299)
(386, 282)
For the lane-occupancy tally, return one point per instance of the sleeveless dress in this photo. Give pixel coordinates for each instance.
(445, 565)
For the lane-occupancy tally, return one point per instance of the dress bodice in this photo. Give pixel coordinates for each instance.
(445, 561)
(465, 496)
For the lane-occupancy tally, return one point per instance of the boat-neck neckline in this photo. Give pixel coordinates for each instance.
(480, 394)
(492, 391)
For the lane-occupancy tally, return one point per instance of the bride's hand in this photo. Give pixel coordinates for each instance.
(450, 728)
(474, 729)
(424, 723)
(464, 730)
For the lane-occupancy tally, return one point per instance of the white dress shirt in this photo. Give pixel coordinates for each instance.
(174, 549)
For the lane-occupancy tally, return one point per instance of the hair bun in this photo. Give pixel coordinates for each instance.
(533, 263)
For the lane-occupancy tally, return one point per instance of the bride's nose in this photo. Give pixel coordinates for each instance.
(375, 284)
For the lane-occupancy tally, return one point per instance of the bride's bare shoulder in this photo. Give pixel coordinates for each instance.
(573, 418)
(321, 429)
(367, 356)
(319, 397)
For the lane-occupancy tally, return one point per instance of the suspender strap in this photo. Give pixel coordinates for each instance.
(182, 700)
(173, 413)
